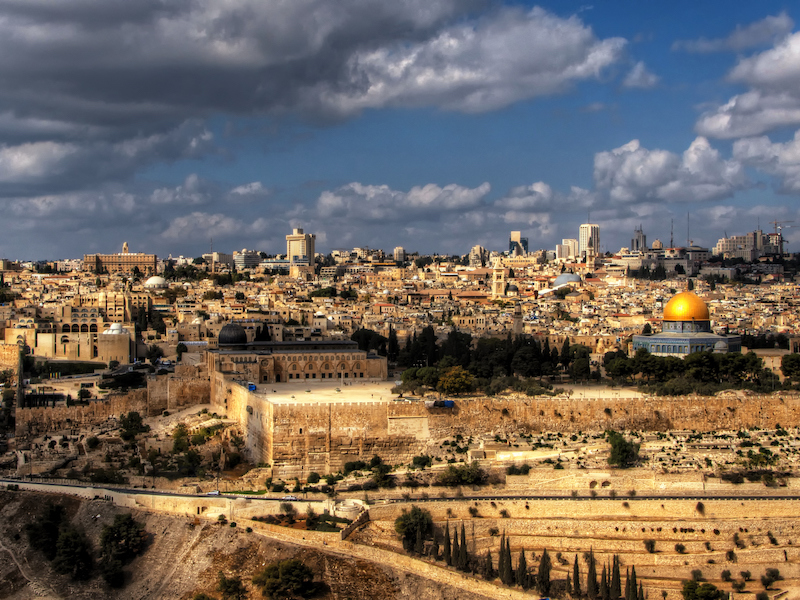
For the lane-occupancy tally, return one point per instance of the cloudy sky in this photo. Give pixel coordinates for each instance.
(429, 124)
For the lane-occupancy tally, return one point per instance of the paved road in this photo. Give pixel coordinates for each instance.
(501, 498)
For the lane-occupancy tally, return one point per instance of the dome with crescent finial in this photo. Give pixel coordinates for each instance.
(686, 306)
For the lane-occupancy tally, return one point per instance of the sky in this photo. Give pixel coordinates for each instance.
(434, 125)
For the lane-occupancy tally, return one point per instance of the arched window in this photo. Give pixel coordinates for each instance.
(84, 328)
(65, 329)
(93, 328)
(64, 339)
(76, 328)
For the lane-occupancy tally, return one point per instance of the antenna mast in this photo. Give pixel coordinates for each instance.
(671, 229)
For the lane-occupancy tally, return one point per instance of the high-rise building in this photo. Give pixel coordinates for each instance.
(300, 247)
(399, 254)
(246, 259)
(567, 249)
(639, 240)
(517, 244)
(478, 256)
(589, 239)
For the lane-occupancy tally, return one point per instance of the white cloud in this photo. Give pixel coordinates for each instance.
(632, 173)
(779, 159)
(248, 189)
(359, 202)
(477, 66)
(773, 100)
(202, 225)
(639, 77)
(193, 191)
(758, 33)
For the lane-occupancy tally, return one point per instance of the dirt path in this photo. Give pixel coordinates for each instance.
(38, 588)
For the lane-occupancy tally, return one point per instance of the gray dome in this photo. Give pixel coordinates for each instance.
(566, 278)
(512, 288)
(232, 334)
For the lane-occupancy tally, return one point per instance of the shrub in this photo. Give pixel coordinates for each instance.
(726, 575)
(680, 548)
(286, 579)
(92, 442)
(650, 546)
(313, 477)
(697, 575)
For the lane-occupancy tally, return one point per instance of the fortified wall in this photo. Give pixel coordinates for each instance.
(9, 357)
(162, 393)
(297, 439)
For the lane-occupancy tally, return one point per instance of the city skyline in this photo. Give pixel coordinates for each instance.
(435, 126)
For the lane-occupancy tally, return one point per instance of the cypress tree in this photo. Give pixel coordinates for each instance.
(455, 552)
(488, 567)
(509, 567)
(627, 584)
(522, 570)
(501, 561)
(604, 584)
(576, 578)
(463, 556)
(568, 584)
(616, 585)
(419, 545)
(543, 574)
(435, 548)
(641, 591)
(591, 578)
(633, 590)
(447, 555)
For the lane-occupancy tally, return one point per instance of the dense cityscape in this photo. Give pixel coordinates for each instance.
(515, 313)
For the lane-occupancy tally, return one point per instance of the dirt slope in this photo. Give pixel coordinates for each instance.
(183, 558)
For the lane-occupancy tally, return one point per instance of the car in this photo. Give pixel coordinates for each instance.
(214, 493)
(290, 498)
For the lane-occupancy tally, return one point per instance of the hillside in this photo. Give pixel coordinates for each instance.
(182, 558)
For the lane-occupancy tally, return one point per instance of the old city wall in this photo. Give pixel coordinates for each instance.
(162, 393)
(544, 413)
(326, 436)
(174, 393)
(9, 357)
(35, 422)
(297, 439)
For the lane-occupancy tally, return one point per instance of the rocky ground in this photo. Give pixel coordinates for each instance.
(183, 557)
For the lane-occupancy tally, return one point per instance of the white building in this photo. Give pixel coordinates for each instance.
(300, 247)
(589, 239)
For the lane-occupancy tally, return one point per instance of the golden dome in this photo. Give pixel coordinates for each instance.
(686, 307)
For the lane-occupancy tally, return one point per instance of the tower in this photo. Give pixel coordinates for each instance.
(125, 248)
(498, 280)
(589, 240)
(300, 247)
(639, 240)
(517, 245)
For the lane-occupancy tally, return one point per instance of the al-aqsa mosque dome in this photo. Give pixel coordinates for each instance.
(686, 328)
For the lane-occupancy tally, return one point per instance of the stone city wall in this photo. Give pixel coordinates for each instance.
(162, 393)
(9, 357)
(297, 439)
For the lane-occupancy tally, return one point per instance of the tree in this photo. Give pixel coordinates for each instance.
(43, 535)
(286, 579)
(692, 590)
(455, 380)
(124, 539)
(393, 346)
(463, 556)
(521, 575)
(543, 574)
(181, 348)
(624, 454)
(576, 578)
(408, 523)
(232, 588)
(448, 558)
(73, 554)
(790, 365)
(591, 578)
(488, 566)
(180, 438)
(615, 591)
(154, 352)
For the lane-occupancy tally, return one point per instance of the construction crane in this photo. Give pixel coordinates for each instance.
(779, 227)
(779, 224)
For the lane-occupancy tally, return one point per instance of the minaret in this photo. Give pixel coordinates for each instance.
(125, 248)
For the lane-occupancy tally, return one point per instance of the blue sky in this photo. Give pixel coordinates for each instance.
(429, 124)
